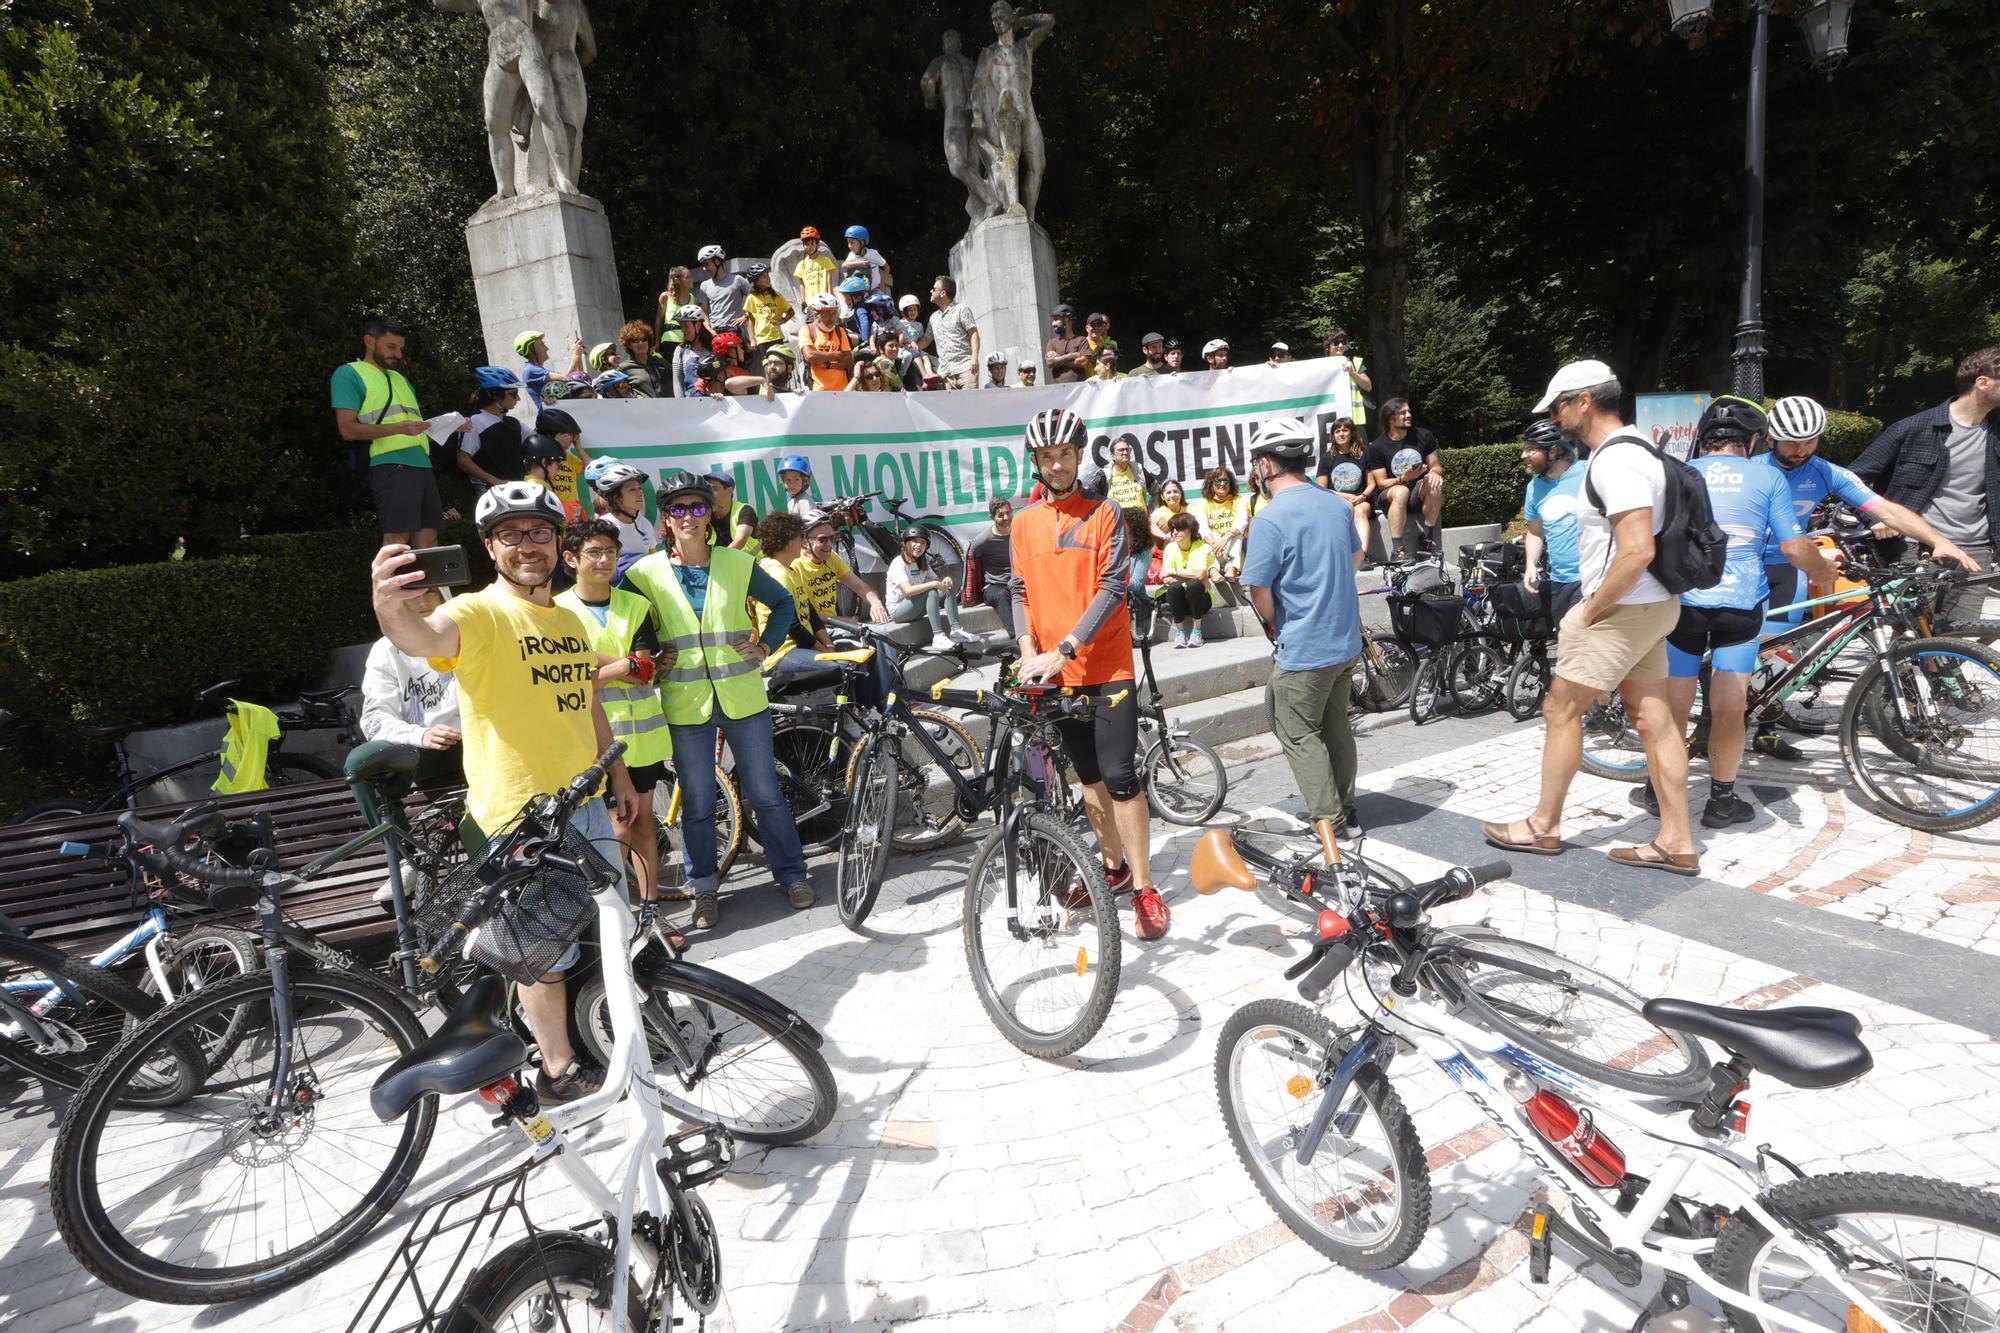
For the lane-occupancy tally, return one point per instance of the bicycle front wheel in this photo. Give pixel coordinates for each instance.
(752, 1074)
(1364, 1198)
(1044, 959)
(866, 838)
(1612, 749)
(1527, 685)
(1185, 780)
(236, 1192)
(1921, 1250)
(1921, 734)
(1574, 1015)
(1476, 672)
(1386, 675)
(84, 1025)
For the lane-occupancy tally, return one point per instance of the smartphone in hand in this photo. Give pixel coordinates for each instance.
(442, 567)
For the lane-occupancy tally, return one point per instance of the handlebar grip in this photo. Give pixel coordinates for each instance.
(216, 876)
(94, 851)
(1331, 964)
(588, 781)
(1489, 872)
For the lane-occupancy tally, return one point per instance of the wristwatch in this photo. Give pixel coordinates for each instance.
(1067, 649)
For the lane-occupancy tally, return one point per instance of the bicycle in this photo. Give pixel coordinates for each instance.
(317, 710)
(1041, 932)
(1318, 1124)
(849, 517)
(278, 1120)
(1185, 780)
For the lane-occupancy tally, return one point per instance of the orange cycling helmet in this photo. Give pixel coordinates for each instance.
(808, 233)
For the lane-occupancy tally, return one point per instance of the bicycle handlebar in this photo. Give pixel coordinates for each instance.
(169, 848)
(1330, 957)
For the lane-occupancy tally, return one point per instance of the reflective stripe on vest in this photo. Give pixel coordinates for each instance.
(708, 667)
(633, 710)
(385, 397)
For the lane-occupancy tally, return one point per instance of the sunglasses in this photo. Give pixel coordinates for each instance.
(696, 510)
(541, 535)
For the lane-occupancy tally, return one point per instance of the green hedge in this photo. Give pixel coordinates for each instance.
(1847, 434)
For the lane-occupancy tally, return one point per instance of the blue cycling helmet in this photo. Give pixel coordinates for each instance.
(854, 285)
(857, 232)
(597, 467)
(496, 377)
(795, 463)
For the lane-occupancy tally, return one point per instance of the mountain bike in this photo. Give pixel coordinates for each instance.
(275, 1166)
(317, 710)
(1317, 1122)
(868, 546)
(1041, 932)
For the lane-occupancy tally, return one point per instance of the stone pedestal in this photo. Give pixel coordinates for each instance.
(1006, 272)
(543, 261)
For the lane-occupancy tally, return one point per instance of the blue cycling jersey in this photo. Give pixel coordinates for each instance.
(1752, 504)
(1554, 503)
(1811, 482)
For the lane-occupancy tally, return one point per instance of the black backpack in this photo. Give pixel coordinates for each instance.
(1691, 548)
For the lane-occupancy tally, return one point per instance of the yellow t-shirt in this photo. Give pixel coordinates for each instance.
(821, 582)
(760, 614)
(815, 274)
(1196, 559)
(768, 313)
(1221, 517)
(1165, 513)
(524, 689)
(1126, 489)
(569, 481)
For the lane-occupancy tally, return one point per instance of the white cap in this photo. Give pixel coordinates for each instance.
(1574, 376)
(1214, 345)
(1280, 347)
(907, 302)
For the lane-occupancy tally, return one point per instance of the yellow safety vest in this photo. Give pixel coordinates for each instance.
(387, 397)
(753, 546)
(632, 709)
(708, 667)
(245, 747)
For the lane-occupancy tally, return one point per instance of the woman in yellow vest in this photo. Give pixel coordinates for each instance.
(620, 625)
(711, 679)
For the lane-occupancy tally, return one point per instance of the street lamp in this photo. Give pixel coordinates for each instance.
(1825, 25)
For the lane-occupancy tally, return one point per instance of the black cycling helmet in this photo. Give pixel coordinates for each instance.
(540, 448)
(555, 421)
(1547, 436)
(1730, 418)
(676, 484)
(913, 534)
(707, 366)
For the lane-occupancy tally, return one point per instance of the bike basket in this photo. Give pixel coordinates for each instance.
(1520, 615)
(1428, 620)
(1503, 561)
(1425, 578)
(534, 925)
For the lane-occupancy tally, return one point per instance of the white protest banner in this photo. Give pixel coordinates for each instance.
(947, 453)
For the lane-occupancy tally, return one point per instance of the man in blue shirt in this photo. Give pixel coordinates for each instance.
(1299, 563)
(1555, 486)
(1753, 506)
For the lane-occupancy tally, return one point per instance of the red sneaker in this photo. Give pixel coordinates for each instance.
(1151, 913)
(1118, 881)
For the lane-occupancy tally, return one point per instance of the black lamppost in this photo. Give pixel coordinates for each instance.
(1825, 24)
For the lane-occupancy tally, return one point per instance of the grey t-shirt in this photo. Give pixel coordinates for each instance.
(951, 338)
(724, 299)
(1958, 510)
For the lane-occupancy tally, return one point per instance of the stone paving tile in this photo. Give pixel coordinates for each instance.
(965, 1186)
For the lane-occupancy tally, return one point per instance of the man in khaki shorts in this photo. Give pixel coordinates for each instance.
(1615, 636)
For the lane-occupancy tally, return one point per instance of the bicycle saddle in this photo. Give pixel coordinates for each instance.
(855, 655)
(378, 760)
(1216, 864)
(326, 696)
(109, 731)
(1805, 1047)
(469, 1050)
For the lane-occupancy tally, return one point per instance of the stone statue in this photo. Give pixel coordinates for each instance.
(948, 81)
(533, 95)
(1003, 111)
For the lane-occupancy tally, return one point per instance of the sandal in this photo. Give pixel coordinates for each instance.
(1538, 844)
(1674, 863)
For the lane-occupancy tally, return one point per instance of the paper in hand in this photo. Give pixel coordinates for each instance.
(442, 427)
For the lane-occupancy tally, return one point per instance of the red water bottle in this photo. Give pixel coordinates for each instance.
(1577, 1138)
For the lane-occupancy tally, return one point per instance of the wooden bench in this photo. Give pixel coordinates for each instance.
(82, 906)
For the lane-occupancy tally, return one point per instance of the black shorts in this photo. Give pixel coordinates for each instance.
(645, 777)
(1706, 629)
(1381, 498)
(1106, 748)
(1562, 596)
(406, 498)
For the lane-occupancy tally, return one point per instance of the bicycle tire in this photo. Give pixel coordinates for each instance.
(1476, 672)
(1186, 782)
(114, 1003)
(285, 770)
(1527, 685)
(946, 550)
(201, 956)
(1553, 1033)
(78, 1177)
(923, 803)
(695, 1016)
(728, 823)
(1622, 757)
(55, 807)
(1426, 703)
(1869, 715)
(1049, 852)
(803, 753)
(1385, 676)
(559, 1262)
(868, 833)
(1816, 1203)
(1302, 1040)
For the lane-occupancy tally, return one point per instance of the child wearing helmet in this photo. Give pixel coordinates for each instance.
(622, 487)
(865, 262)
(490, 450)
(795, 474)
(768, 310)
(817, 272)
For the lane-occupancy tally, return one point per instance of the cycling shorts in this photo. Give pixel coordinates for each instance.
(1105, 748)
(1784, 581)
(1727, 635)
(1562, 596)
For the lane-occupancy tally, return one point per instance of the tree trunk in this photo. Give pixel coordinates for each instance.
(1381, 160)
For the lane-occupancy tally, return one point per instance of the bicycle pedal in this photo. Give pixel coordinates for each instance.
(1541, 1245)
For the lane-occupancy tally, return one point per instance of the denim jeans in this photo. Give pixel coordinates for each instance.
(934, 605)
(757, 777)
(593, 821)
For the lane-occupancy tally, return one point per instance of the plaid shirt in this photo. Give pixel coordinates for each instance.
(1908, 461)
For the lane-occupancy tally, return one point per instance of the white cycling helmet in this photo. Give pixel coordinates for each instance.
(1214, 345)
(824, 301)
(1797, 418)
(689, 312)
(608, 482)
(709, 252)
(517, 499)
(1286, 437)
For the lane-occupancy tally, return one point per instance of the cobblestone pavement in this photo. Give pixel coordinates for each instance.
(965, 1186)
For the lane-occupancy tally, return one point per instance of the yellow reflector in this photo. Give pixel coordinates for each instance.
(1082, 961)
(1541, 1225)
(1298, 1085)
(1858, 1322)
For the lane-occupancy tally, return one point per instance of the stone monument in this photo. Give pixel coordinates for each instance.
(541, 249)
(1006, 265)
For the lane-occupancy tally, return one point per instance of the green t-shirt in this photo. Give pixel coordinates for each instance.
(349, 392)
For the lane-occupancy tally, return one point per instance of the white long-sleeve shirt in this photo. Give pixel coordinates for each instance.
(402, 697)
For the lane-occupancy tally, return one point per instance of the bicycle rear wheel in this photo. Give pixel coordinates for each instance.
(806, 775)
(1046, 970)
(199, 958)
(728, 823)
(927, 813)
(1583, 1020)
(1921, 734)
(1385, 676)
(866, 838)
(1527, 684)
(1611, 746)
(222, 1197)
(556, 1282)
(1476, 673)
(86, 1025)
(1185, 780)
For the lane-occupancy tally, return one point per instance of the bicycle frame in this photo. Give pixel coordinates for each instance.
(1471, 1056)
(146, 935)
(1836, 631)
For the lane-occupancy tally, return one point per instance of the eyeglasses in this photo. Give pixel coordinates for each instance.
(541, 535)
(598, 553)
(695, 510)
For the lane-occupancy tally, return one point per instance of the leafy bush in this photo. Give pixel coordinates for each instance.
(1483, 483)
(1847, 434)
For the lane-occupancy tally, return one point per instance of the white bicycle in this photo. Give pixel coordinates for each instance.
(648, 1237)
(1330, 1146)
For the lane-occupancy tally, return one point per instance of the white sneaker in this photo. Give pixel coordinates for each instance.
(958, 634)
(940, 644)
